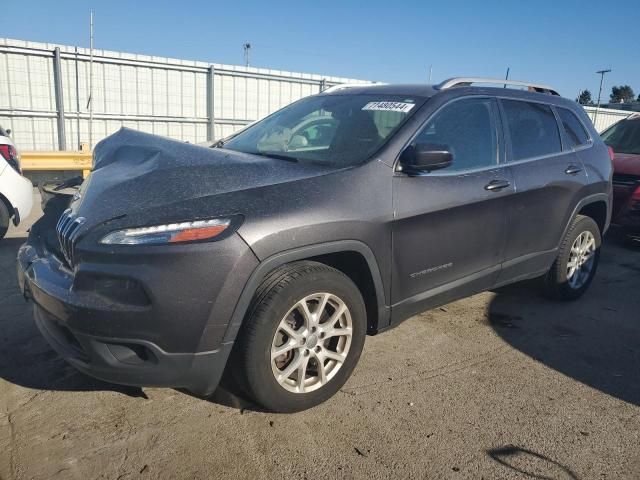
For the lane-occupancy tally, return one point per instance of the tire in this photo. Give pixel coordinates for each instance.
(568, 282)
(278, 306)
(4, 219)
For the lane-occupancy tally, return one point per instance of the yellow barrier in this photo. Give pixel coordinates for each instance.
(57, 161)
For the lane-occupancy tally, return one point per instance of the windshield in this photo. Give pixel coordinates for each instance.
(337, 130)
(624, 137)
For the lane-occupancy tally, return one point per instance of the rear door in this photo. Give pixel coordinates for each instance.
(549, 177)
(449, 227)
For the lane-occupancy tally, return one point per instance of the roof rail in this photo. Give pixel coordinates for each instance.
(468, 81)
(341, 86)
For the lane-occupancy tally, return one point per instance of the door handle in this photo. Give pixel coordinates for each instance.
(496, 185)
(572, 170)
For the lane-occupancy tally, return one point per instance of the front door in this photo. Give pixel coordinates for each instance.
(449, 227)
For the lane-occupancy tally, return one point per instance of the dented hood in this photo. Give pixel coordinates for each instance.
(146, 176)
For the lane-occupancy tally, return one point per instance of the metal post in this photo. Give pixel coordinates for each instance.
(211, 126)
(57, 80)
(506, 77)
(91, 81)
(430, 73)
(77, 102)
(601, 73)
(323, 85)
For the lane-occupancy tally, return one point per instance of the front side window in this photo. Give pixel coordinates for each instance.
(533, 129)
(467, 130)
(337, 130)
(573, 127)
(624, 137)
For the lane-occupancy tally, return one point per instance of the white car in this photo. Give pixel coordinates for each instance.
(16, 192)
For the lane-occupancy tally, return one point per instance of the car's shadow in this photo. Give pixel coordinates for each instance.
(595, 340)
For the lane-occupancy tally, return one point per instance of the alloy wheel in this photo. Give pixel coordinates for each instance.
(311, 343)
(581, 260)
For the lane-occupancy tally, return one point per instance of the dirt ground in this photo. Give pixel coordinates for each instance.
(500, 385)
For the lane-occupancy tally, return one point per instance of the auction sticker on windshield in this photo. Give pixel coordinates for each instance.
(389, 106)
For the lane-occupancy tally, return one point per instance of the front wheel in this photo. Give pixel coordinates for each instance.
(577, 261)
(303, 337)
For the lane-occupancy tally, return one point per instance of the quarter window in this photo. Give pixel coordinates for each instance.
(466, 128)
(574, 128)
(533, 129)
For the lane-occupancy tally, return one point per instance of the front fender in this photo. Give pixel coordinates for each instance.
(303, 253)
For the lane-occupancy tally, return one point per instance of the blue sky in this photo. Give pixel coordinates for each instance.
(561, 42)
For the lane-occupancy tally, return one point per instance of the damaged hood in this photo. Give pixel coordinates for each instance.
(144, 177)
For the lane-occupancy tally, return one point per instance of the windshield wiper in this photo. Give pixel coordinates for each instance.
(277, 156)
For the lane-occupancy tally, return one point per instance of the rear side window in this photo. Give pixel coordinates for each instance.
(533, 129)
(574, 128)
(466, 128)
(624, 137)
(3, 133)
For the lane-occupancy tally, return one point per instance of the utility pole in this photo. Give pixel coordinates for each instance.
(602, 74)
(90, 103)
(247, 50)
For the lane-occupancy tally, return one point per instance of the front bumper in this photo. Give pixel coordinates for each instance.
(133, 362)
(167, 333)
(626, 209)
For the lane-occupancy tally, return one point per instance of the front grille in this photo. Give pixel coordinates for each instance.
(68, 228)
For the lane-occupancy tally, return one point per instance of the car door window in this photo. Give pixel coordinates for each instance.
(467, 129)
(533, 129)
(573, 127)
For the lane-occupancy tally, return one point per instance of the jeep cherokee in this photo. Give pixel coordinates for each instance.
(273, 253)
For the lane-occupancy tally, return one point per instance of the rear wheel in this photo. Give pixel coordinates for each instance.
(303, 337)
(577, 261)
(4, 219)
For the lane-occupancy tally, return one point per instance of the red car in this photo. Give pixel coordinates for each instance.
(624, 138)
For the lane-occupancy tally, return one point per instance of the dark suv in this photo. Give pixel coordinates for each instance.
(273, 253)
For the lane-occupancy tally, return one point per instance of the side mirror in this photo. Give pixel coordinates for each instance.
(8, 131)
(425, 157)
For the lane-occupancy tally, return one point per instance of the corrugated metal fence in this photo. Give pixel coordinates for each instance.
(44, 94)
(605, 117)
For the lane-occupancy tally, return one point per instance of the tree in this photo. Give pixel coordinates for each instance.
(622, 94)
(584, 98)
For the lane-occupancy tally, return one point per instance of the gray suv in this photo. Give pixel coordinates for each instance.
(270, 256)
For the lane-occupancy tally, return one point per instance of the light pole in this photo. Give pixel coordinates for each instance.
(247, 49)
(601, 73)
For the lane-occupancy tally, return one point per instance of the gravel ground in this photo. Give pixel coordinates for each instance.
(499, 385)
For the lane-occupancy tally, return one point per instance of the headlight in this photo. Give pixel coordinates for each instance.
(170, 233)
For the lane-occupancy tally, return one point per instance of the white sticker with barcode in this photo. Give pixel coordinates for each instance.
(402, 107)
